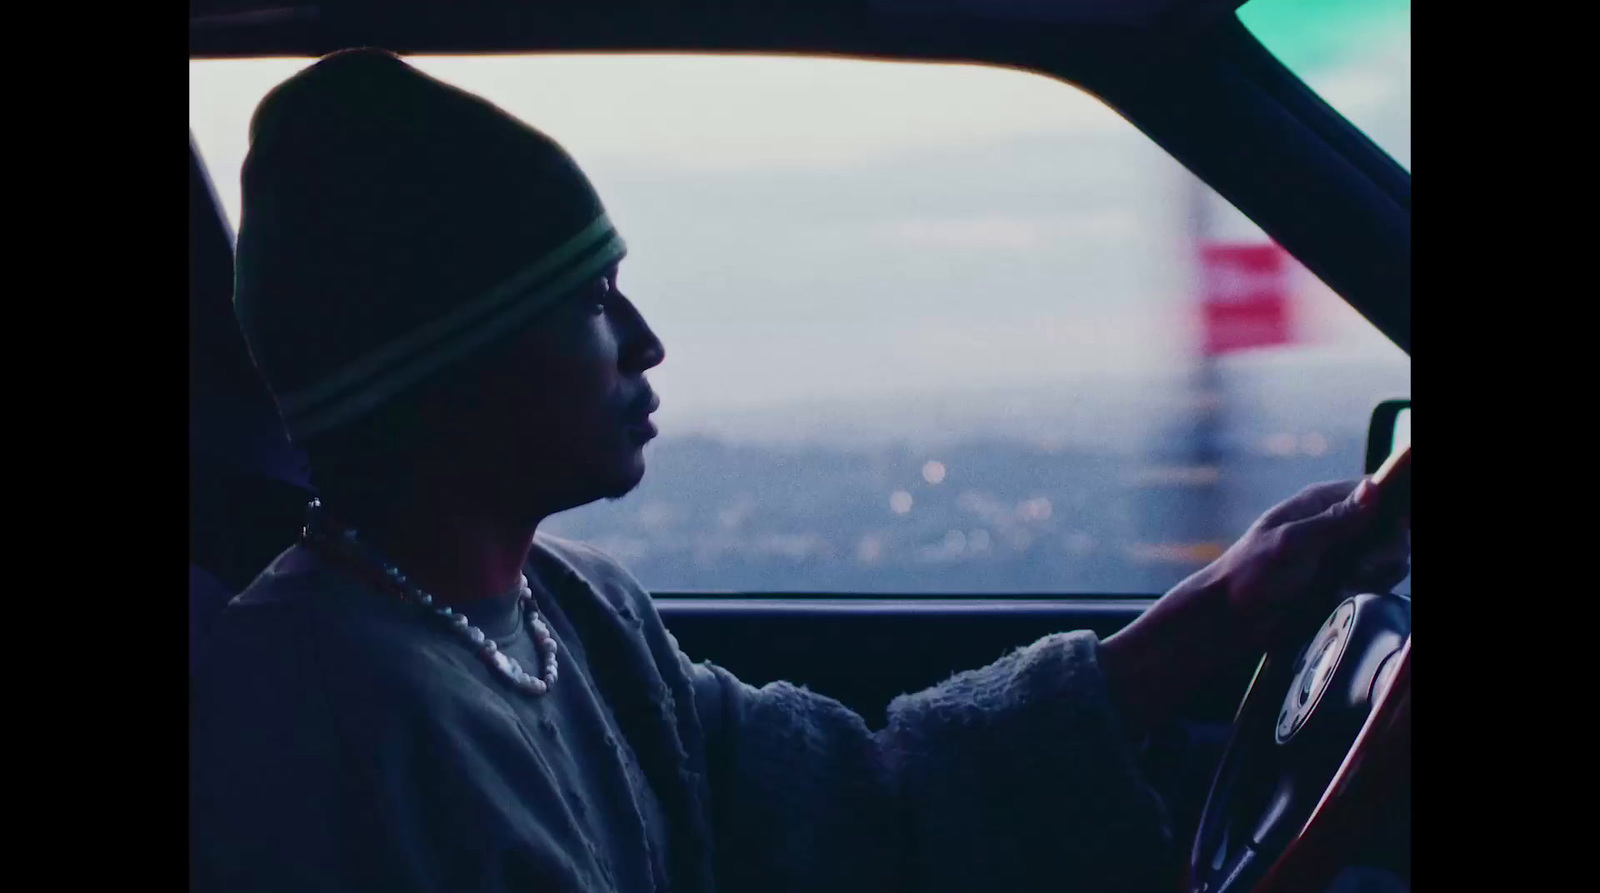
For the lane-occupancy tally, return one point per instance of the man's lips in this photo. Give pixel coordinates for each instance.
(643, 409)
(641, 420)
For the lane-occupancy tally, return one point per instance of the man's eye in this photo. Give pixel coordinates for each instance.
(598, 306)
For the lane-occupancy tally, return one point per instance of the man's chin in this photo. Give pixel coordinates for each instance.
(626, 478)
(596, 481)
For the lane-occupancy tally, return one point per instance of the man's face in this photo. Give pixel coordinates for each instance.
(560, 417)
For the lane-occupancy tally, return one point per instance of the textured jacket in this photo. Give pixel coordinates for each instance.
(338, 742)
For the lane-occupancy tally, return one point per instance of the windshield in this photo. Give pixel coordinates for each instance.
(1355, 53)
(929, 328)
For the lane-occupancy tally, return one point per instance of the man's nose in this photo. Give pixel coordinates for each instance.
(642, 350)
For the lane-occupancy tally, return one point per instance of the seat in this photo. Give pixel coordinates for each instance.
(248, 485)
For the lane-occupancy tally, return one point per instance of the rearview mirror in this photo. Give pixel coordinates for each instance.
(1390, 430)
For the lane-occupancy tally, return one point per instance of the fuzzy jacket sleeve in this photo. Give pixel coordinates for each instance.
(1009, 778)
(1012, 777)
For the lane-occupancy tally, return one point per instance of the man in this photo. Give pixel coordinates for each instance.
(427, 694)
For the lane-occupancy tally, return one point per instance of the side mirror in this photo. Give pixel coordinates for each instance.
(1390, 430)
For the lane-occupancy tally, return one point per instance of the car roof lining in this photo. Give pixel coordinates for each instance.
(274, 27)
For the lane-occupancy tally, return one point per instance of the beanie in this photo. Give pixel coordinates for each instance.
(394, 225)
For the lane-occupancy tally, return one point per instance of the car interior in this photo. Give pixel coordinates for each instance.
(1193, 80)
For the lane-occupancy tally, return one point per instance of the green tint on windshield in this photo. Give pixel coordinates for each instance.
(1355, 53)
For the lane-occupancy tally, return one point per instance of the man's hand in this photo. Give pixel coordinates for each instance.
(1319, 541)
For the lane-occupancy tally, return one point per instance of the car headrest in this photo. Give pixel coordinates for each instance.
(233, 421)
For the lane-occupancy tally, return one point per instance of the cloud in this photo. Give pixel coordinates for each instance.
(723, 113)
(1008, 232)
(702, 114)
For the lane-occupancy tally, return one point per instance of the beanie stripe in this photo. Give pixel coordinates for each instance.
(369, 381)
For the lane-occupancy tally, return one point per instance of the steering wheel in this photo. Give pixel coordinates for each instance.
(1319, 748)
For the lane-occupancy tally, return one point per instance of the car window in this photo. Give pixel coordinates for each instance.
(929, 328)
(1356, 54)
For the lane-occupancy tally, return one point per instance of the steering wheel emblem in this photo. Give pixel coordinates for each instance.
(1317, 673)
(1314, 671)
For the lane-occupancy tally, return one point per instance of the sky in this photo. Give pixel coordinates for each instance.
(806, 230)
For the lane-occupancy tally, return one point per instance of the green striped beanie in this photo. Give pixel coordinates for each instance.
(394, 225)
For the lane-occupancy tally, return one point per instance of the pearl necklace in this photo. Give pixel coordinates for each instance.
(322, 531)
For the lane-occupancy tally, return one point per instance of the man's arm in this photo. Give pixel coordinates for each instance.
(1010, 777)
(1159, 661)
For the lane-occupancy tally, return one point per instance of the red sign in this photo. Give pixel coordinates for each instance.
(1245, 298)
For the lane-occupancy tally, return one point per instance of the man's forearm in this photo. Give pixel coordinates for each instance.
(1164, 657)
